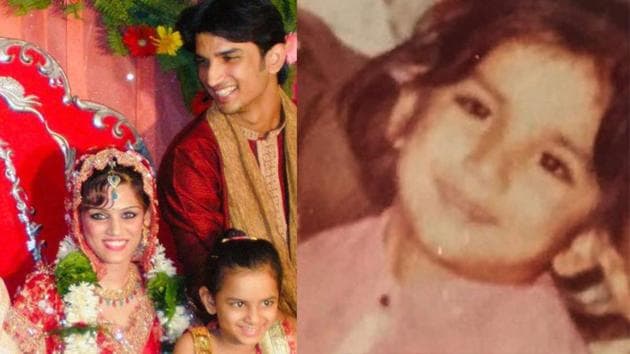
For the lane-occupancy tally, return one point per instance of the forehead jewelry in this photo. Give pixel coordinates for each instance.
(113, 180)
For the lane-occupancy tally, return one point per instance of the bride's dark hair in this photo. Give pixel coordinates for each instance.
(95, 190)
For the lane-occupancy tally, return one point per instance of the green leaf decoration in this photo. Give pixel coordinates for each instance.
(288, 10)
(115, 41)
(73, 269)
(67, 331)
(117, 15)
(157, 12)
(22, 7)
(74, 9)
(188, 84)
(165, 292)
(288, 84)
(116, 12)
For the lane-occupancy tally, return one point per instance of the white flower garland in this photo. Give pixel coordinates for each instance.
(160, 263)
(81, 344)
(81, 305)
(176, 326)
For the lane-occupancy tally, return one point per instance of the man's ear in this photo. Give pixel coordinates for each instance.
(275, 58)
(207, 300)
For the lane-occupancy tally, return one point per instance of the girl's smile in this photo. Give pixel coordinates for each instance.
(246, 305)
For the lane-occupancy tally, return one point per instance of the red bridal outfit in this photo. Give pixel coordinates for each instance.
(48, 316)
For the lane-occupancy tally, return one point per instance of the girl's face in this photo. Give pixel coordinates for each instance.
(246, 305)
(114, 232)
(498, 171)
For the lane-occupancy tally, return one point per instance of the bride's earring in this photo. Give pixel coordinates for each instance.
(145, 237)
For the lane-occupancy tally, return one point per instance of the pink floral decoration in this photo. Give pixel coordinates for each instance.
(291, 41)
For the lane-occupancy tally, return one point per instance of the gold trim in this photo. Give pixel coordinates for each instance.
(202, 341)
(251, 206)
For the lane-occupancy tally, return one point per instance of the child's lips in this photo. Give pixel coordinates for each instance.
(468, 207)
(250, 331)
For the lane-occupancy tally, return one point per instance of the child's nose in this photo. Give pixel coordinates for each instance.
(252, 315)
(490, 168)
(490, 161)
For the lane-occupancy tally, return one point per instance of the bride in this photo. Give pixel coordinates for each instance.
(111, 288)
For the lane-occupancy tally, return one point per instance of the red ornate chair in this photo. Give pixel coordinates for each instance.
(42, 128)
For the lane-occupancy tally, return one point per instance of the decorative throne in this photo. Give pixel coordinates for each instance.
(42, 129)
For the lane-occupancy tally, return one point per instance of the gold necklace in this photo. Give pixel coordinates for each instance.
(122, 296)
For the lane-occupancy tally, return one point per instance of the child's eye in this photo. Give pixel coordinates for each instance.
(129, 215)
(473, 106)
(556, 167)
(98, 216)
(268, 303)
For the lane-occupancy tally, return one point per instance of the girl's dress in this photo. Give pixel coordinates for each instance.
(279, 339)
(373, 314)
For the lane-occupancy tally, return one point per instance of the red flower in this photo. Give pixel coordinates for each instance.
(139, 40)
(200, 103)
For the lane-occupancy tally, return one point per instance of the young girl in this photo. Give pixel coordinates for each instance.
(242, 293)
(504, 127)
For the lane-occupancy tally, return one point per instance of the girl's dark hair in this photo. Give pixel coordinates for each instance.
(257, 21)
(237, 250)
(448, 43)
(95, 190)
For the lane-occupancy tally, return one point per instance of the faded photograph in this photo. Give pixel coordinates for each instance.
(464, 177)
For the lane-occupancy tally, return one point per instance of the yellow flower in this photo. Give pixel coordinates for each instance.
(168, 42)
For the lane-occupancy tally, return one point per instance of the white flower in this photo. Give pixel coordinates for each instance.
(66, 246)
(161, 263)
(81, 344)
(81, 304)
(177, 325)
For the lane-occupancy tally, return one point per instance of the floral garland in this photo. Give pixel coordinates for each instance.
(77, 282)
(144, 28)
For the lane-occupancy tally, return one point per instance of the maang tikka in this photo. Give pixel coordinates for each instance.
(113, 180)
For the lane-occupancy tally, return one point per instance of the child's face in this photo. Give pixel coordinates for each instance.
(246, 305)
(499, 169)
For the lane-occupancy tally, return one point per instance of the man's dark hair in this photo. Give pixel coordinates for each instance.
(240, 21)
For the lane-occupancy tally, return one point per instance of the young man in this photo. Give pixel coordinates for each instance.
(235, 165)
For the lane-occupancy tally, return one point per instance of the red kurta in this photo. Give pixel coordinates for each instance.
(193, 191)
